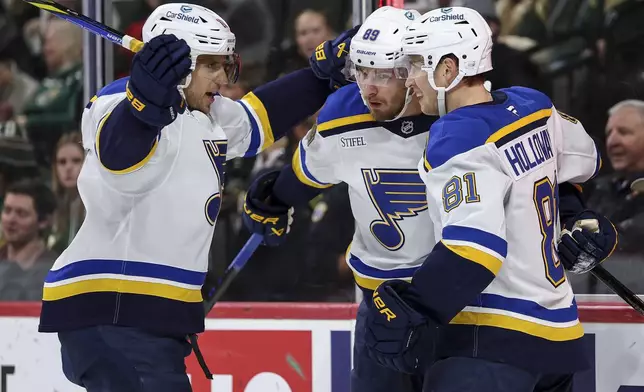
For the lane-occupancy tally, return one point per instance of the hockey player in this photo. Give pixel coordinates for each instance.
(491, 304)
(369, 135)
(126, 292)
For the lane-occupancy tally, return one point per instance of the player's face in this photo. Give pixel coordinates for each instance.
(207, 78)
(418, 82)
(19, 219)
(69, 159)
(385, 98)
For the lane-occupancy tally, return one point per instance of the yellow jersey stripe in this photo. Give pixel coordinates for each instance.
(477, 256)
(127, 169)
(508, 129)
(300, 173)
(338, 122)
(259, 109)
(371, 283)
(121, 286)
(508, 322)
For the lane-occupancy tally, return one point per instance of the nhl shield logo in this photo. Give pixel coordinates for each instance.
(407, 127)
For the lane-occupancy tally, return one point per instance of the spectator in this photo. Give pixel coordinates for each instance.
(24, 258)
(311, 29)
(612, 195)
(68, 160)
(15, 88)
(56, 105)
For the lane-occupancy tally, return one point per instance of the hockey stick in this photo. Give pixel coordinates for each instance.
(89, 24)
(619, 288)
(231, 272)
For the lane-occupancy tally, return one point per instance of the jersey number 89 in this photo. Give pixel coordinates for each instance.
(545, 201)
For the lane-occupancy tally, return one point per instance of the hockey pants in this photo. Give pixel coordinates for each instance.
(459, 374)
(122, 359)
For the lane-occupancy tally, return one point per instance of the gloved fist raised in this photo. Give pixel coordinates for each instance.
(329, 58)
(398, 337)
(156, 71)
(265, 215)
(586, 240)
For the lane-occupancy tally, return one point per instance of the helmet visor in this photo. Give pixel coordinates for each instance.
(366, 76)
(409, 66)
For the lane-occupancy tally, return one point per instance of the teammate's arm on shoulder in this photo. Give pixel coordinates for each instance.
(579, 158)
(267, 113)
(468, 191)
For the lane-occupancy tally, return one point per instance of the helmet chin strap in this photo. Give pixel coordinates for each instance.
(441, 92)
(408, 99)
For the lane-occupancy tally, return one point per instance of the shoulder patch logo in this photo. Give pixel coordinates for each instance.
(407, 127)
(310, 136)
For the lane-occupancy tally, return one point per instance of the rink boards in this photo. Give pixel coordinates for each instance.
(260, 347)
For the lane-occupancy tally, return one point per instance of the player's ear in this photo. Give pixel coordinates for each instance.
(451, 68)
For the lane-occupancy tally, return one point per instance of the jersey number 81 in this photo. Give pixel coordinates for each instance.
(546, 201)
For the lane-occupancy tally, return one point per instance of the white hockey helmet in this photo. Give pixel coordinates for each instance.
(203, 30)
(376, 47)
(459, 31)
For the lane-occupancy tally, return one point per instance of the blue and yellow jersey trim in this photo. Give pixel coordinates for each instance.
(344, 111)
(119, 276)
(127, 170)
(261, 132)
(117, 87)
(369, 277)
(475, 245)
(524, 316)
(471, 127)
(302, 172)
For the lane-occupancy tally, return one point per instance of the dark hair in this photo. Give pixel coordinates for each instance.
(42, 197)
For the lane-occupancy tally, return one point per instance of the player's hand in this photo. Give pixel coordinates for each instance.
(398, 337)
(156, 71)
(586, 240)
(265, 215)
(328, 60)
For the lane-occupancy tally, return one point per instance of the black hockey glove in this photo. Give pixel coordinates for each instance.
(156, 72)
(328, 60)
(265, 215)
(587, 239)
(399, 337)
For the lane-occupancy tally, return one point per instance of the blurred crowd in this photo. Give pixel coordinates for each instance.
(585, 54)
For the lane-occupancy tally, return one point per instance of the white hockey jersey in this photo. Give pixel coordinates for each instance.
(378, 161)
(492, 173)
(141, 255)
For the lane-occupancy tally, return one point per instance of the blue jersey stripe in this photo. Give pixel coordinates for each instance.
(128, 268)
(528, 308)
(477, 236)
(306, 169)
(372, 272)
(116, 87)
(255, 139)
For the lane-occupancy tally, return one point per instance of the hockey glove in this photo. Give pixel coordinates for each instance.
(265, 215)
(157, 70)
(328, 60)
(397, 336)
(586, 240)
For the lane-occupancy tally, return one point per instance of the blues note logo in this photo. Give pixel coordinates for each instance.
(396, 194)
(216, 150)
